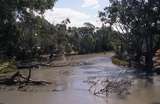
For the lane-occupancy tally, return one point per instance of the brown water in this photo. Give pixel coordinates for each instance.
(71, 87)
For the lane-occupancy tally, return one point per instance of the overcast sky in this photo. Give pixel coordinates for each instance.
(78, 11)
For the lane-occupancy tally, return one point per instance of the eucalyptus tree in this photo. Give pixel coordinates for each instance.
(74, 39)
(103, 37)
(14, 12)
(137, 22)
(87, 39)
(37, 36)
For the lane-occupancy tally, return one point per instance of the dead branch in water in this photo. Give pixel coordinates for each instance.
(105, 87)
(21, 80)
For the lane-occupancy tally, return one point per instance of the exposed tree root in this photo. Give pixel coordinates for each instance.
(21, 80)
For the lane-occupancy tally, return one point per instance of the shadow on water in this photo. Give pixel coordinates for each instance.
(73, 85)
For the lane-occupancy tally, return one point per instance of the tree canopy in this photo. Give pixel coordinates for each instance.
(138, 24)
(18, 14)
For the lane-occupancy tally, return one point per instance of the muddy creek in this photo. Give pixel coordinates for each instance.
(71, 86)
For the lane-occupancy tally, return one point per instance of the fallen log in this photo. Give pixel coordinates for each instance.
(21, 80)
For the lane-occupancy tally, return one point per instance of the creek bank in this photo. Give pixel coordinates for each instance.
(137, 68)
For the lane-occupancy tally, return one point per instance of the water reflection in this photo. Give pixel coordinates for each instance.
(71, 86)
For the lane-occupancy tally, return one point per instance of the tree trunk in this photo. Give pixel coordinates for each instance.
(149, 53)
(29, 75)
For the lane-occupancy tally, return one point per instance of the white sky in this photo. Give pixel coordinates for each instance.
(78, 11)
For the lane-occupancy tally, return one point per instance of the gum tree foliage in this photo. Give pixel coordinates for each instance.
(14, 13)
(90, 39)
(138, 24)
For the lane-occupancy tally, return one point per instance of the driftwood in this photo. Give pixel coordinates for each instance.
(21, 80)
(107, 87)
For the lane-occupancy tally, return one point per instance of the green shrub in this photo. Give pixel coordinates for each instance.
(7, 66)
(119, 62)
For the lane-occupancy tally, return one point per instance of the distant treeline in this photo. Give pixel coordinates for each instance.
(24, 35)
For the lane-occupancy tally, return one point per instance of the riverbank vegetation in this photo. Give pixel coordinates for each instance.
(129, 35)
(137, 25)
(31, 41)
(129, 27)
(27, 37)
